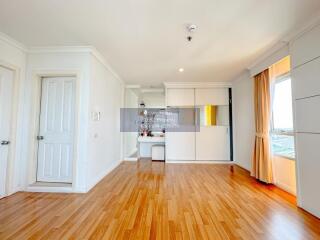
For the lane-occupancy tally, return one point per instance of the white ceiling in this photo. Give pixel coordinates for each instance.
(144, 40)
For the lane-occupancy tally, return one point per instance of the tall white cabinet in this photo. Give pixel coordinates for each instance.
(180, 146)
(305, 54)
(209, 143)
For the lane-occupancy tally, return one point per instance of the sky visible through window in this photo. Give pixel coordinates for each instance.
(282, 144)
(282, 106)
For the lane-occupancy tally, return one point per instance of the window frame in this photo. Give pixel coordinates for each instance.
(280, 132)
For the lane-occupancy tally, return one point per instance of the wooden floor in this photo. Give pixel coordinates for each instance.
(148, 200)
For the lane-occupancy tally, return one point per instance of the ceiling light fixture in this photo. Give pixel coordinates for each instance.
(181, 70)
(190, 29)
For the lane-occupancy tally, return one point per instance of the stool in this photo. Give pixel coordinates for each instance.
(158, 152)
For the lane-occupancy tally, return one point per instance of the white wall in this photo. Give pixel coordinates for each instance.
(98, 144)
(243, 120)
(12, 55)
(104, 137)
(130, 138)
(43, 62)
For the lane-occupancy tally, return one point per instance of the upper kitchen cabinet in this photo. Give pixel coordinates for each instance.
(180, 97)
(211, 96)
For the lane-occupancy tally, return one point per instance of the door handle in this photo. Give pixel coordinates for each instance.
(39, 138)
(5, 142)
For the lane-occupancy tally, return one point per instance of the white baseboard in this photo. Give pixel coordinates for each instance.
(102, 175)
(131, 159)
(49, 189)
(242, 166)
(199, 162)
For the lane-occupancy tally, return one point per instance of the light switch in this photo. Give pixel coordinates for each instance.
(96, 116)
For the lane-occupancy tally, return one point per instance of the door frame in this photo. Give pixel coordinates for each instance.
(37, 77)
(15, 130)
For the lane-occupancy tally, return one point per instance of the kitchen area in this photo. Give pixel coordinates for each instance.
(144, 115)
(179, 123)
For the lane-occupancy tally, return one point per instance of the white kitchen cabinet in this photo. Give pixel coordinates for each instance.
(213, 144)
(306, 47)
(180, 146)
(180, 97)
(211, 96)
(308, 168)
(308, 115)
(306, 79)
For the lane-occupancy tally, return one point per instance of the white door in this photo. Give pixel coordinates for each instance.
(6, 94)
(56, 131)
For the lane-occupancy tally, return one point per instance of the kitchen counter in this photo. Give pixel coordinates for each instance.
(151, 139)
(146, 143)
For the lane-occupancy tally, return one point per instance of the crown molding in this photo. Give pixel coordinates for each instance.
(76, 49)
(60, 49)
(14, 43)
(197, 84)
(152, 90)
(286, 40)
(132, 86)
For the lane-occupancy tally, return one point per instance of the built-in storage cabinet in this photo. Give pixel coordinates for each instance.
(212, 144)
(308, 115)
(306, 85)
(180, 97)
(211, 140)
(180, 146)
(307, 79)
(212, 96)
(308, 164)
(306, 48)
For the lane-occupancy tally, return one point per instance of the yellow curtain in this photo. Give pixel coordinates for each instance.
(261, 160)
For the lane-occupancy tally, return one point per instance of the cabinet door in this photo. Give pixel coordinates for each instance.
(212, 96)
(180, 146)
(306, 79)
(213, 144)
(308, 162)
(306, 47)
(180, 97)
(308, 115)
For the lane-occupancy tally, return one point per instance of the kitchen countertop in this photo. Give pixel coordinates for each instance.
(151, 139)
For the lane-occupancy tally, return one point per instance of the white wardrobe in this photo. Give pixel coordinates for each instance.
(305, 55)
(208, 142)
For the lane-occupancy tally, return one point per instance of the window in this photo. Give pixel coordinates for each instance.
(282, 136)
